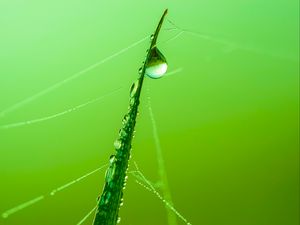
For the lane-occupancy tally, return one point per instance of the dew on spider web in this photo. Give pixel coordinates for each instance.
(155, 68)
(151, 72)
(72, 77)
(53, 192)
(87, 216)
(149, 186)
(22, 206)
(161, 164)
(67, 80)
(228, 46)
(75, 108)
(65, 186)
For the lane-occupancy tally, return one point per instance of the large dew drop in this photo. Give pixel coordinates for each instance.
(157, 66)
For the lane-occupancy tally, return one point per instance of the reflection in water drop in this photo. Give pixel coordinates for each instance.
(157, 65)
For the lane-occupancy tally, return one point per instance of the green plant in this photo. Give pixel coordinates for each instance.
(115, 178)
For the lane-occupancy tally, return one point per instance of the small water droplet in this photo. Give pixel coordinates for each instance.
(122, 133)
(140, 70)
(133, 88)
(131, 101)
(112, 158)
(118, 144)
(157, 65)
(125, 119)
(152, 36)
(119, 220)
(110, 172)
(107, 197)
(98, 198)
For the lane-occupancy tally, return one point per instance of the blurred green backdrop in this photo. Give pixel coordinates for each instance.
(228, 123)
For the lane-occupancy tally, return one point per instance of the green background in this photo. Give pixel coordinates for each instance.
(227, 123)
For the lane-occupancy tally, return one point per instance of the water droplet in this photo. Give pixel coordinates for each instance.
(98, 198)
(125, 119)
(134, 88)
(132, 101)
(110, 172)
(140, 70)
(118, 144)
(122, 133)
(157, 65)
(112, 158)
(119, 220)
(107, 197)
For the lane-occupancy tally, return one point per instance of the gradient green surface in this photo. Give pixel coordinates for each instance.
(228, 123)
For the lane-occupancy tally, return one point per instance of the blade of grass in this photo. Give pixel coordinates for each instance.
(161, 165)
(115, 179)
